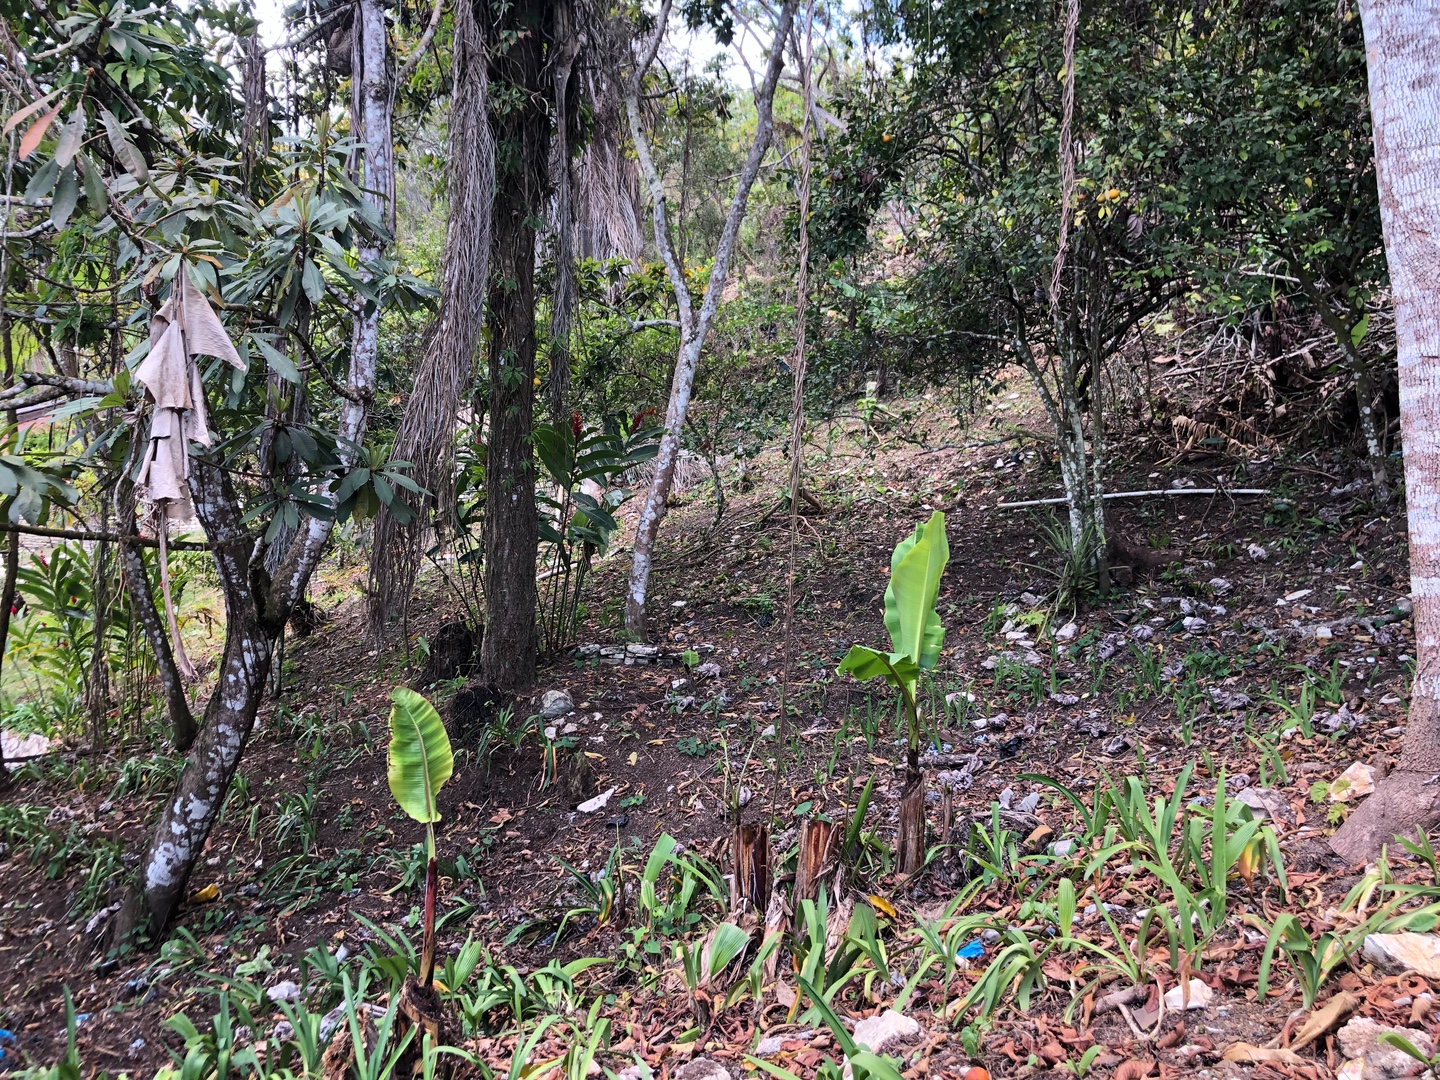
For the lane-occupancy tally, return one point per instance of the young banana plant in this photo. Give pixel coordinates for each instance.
(420, 763)
(916, 637)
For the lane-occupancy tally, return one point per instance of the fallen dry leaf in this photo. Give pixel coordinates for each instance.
(1322, 1020)
(1245, 1052)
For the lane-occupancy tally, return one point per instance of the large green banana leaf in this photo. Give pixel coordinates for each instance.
(420, 758)
(915, 571)
(865, 663)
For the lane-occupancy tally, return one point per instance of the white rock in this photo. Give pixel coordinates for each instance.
(1323, 633)
(1405, 952)
(1359, 1041)
(1067, 632)
(589, 806)
(287, 991)
(1194, 624)
(1255, 551)
(1355, 782)
(1267, 803)
(884, 1034)
(1200, 996)
(1220, 586)
(554, 704)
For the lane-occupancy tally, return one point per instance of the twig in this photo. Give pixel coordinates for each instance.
(113, 538)
(1137, 495)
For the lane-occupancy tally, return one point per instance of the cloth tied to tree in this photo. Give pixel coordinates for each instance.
(184, 327)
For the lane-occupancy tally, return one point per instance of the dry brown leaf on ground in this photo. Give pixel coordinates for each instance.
(1256, 1055)
(1323, 1020)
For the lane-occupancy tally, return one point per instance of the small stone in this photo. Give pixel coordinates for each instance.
(1200, 995)
(1220, 586)
(1062, 847)
(286, 991)
(1323, 633)
(1267, 803)
(555, 704)
(1029, 804)
(1067, 632)
(1194, 624)
(1029, 599)
(1355, 782)
(1405, 952)
(702, 1069)
(589, 806)
(1258, 553)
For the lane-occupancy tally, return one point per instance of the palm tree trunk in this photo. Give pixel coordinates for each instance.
(1402, 42)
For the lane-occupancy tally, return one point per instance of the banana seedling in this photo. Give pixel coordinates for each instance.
(420, 764)
(916, 637)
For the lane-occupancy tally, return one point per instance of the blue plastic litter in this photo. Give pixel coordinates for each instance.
(971, 951)
(6, 1036)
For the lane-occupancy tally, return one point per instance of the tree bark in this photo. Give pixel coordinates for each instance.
(522, 133)
(694, 326)
(142, 605)
(1402, 45)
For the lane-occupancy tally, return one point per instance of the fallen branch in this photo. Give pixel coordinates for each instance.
(113, 538)
(1061, 500)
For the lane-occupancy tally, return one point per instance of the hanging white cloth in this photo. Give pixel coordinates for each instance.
(186, 326)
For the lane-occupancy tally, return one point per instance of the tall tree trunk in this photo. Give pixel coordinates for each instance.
(12, 547)
(694, 327)
(445, 379)
(521, 128)
(1402, 44)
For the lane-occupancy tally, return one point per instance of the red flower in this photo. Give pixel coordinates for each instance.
(575, 424)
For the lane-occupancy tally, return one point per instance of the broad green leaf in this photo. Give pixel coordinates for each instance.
(277, 361)
(915, 571)
(866, 663)
(728, 942)
(420, 758)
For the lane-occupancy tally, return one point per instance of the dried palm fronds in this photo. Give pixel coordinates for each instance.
(426, 433)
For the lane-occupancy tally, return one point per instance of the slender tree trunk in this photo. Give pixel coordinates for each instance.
(142, 606)
(1402, 44)
(97, 682)
(12, 548)
(522, 128)
(694, 327)
(1369, 428)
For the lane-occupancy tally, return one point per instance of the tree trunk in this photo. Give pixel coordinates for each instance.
(694, 328)
(1402, 44)
(522, 129)
(97, 681)
(7, 601)
(143, 610)
(185, 823)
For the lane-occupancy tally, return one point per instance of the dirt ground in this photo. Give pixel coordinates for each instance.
(1252, 589)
